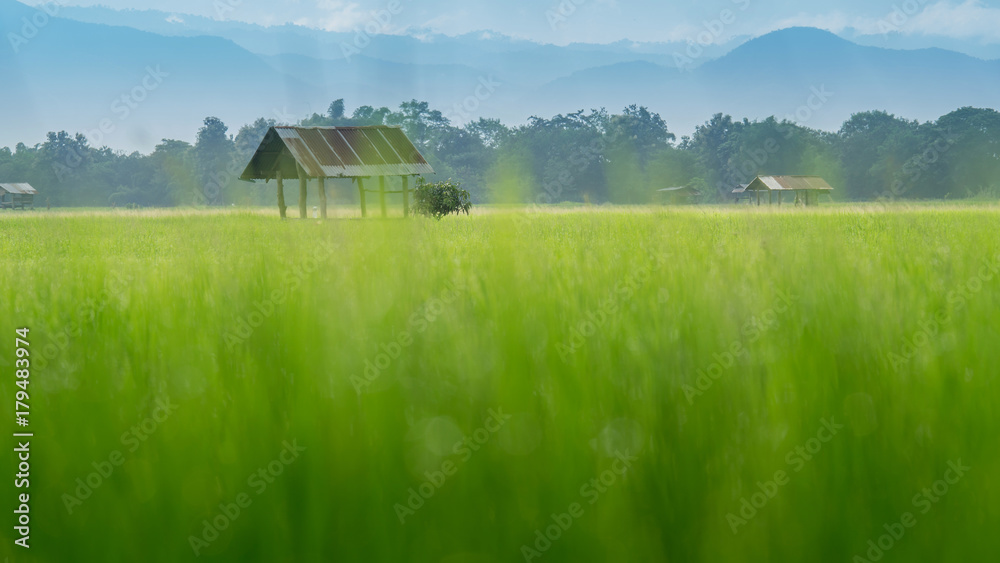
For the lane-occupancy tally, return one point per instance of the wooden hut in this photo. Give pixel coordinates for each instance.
(14, 196)
(740, 193)
(359, 153)
(681, 195)
(805, 188)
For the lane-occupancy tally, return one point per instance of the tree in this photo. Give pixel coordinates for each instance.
(421, 124)
(712, 144)
(491, 132)
(963, 152)
(336, 111)
(368, 115)
(440, 199)
(249, 136)
(214, 160)
(863, 141)
(643, 131)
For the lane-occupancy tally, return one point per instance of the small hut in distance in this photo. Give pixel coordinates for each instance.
(14, 196)
(681, 195)
(359, 153)
(805, 188)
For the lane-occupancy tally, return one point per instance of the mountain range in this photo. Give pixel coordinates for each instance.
(128, 79)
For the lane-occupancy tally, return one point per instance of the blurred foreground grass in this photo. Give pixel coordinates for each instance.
(497, 365)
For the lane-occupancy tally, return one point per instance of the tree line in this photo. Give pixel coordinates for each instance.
(586, 156)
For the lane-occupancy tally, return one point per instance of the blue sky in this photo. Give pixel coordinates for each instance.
(603, 21)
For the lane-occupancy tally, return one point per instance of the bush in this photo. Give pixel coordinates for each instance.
(439, 199)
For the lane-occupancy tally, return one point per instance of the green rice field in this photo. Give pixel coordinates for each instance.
(705, 384)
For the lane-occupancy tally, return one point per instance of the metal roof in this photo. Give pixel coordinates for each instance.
(21, 188)
(740, 188)
(336, 152)
(778, 183)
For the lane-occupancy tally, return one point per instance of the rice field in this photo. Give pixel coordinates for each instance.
(650, 384)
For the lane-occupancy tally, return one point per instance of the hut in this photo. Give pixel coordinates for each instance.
(740, 193)
(358, 153)
(681, 195)
(13, 196)
(805, 188)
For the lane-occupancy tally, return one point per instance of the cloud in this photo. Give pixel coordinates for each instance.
(337, 15)
(971, 19)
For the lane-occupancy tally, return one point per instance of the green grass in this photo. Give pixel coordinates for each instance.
(485, 312)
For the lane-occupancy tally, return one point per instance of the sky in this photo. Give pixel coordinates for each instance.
(602, 21)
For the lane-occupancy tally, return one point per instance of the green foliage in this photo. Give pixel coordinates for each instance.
(440, 199)
(594, 156)
(585, 328)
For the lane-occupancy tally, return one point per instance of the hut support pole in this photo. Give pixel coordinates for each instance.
(302, 193)
(406, 196)
(381, 194)
(322, 197)
(769, 192)
(779, 199)
(758, 197)
(361, 193)
(281, 194)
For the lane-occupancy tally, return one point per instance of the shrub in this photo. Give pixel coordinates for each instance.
(439, 199)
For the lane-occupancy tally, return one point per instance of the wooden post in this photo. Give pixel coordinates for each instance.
(769, 192)
(361, 193)
(406, 196)
(381, 195)
(281, 194)
(302, 193)
(322, 197)
(758, 197)
(779, 199)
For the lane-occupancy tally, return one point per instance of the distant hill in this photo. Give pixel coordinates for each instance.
(75, 74)
(778, 74)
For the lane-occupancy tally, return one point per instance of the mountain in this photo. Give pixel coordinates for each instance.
(805, 74)
(138, 87)
(143, 86)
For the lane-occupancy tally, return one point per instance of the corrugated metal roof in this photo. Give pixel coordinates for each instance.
(789, 183)
(336, 152)
(21, 188)
(740, 188)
